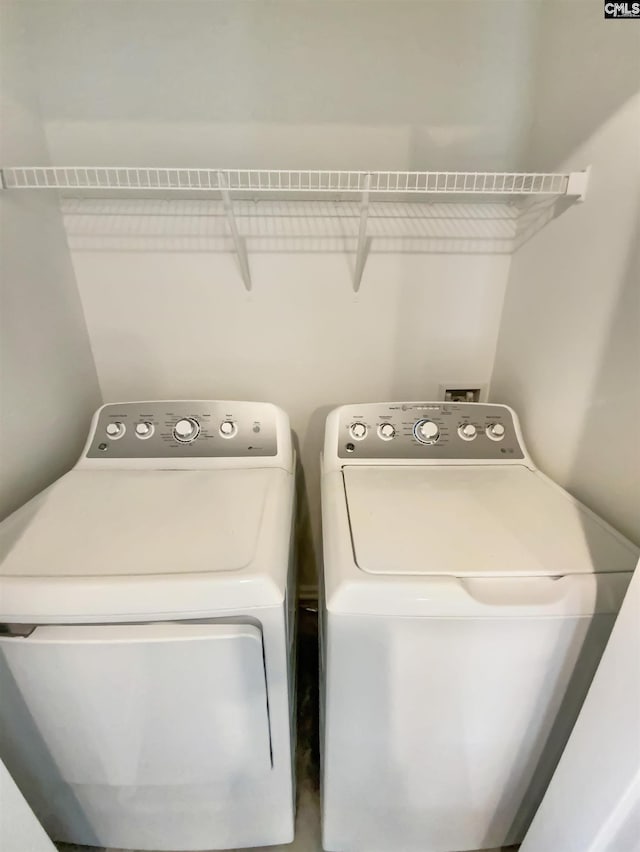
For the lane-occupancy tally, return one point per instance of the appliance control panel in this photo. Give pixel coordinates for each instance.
(184, 429)
(428, 430)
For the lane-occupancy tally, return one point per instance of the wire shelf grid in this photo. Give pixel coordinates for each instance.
(352, 189)
(287, 181)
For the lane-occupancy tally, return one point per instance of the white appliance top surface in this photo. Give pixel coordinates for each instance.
(139, 522)
(475, 521)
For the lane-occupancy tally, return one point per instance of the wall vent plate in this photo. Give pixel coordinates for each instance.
(463, 392)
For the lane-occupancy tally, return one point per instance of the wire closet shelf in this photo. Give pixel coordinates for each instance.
(291, 181)
(233, 185)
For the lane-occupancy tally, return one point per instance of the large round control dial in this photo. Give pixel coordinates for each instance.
(358, 431)
(186, 430)
(386, 431)
(144, 430)
(426, 431)
(115, 429)
(495, 431)
(467, 431)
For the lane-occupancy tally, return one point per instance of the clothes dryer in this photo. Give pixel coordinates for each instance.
(147, 608)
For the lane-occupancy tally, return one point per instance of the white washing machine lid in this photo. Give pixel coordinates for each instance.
(475, 521)
(139, 522)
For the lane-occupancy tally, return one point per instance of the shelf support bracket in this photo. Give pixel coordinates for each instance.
(577, 184)
(363, 241)
(238, 241)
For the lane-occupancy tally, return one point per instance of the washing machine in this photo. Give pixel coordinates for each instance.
(466, 602)
(146, 652)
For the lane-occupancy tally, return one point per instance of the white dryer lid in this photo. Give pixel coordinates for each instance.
(110, 523)
(475, 521)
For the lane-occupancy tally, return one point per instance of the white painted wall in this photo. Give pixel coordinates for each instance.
(593, 801)
(350, 84)
(48, 383)
(569, 345)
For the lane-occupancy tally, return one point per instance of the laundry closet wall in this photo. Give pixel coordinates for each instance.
(569, 345)
(48, 382)
(389, 85)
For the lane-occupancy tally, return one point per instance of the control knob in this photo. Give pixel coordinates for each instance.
(426, 431)
(495, 431)
(358, 431)
(144, 429)
(386, 431)
(115, 429)
(467, 431)
(186, 430)
(228, 429)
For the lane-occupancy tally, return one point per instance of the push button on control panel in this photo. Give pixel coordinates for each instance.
(186, 430)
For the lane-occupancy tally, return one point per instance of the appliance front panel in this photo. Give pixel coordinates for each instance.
(441, 733)
(138, 735)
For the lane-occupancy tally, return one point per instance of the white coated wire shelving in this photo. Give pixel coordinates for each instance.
(367, 188)
(292, 181)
